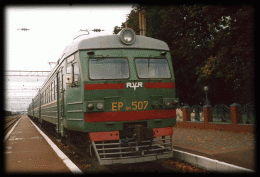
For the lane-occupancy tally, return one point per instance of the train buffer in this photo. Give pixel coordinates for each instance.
(27, 151)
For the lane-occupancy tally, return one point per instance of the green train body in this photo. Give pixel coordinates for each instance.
(115, 88)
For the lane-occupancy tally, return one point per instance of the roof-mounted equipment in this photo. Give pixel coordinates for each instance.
(97, 30)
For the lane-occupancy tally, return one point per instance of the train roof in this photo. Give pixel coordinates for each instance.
(101, 41)
(89, 42)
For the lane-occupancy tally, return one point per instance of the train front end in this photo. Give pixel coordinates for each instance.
(129, 98)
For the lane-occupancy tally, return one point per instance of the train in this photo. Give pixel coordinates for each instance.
(114, 95)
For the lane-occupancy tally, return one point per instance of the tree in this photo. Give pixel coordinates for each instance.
(116, 30)
(232, 59)
(133, 20)
(210, 45)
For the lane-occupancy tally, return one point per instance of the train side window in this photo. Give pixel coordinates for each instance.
(51, 92)
(69, 69)
(48, 93)
(44, 97)
(61, 81)
(75, 72)
(73, 69)
(54, 89)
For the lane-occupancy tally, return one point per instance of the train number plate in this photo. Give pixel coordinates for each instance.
(136, 105)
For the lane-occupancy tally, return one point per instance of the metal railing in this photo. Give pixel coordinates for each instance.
(220, 114)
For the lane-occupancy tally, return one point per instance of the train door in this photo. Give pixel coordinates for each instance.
(61, 102)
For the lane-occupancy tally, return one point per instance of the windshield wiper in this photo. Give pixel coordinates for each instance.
(149, 63)
(98, 57)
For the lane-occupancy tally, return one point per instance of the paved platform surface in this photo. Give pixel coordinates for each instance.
(26, 151)
(230, 147)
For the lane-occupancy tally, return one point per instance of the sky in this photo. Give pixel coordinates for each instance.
(52, 28)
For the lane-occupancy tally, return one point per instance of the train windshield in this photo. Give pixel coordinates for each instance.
(108, 68)
(152, 68)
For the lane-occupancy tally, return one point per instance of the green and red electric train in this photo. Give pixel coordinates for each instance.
(115, 95)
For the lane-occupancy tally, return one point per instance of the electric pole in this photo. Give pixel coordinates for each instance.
(142, 21)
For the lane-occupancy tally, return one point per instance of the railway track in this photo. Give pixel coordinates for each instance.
(89, 164)
(9, 122)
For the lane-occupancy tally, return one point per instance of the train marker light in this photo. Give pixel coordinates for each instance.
(91, 52)
(127, 36)
(163, 53)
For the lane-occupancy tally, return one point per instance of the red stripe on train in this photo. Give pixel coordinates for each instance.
(102, 136)
(129, 115)
(159, 85)
(122, 85)
(114, 135)
(104, 86)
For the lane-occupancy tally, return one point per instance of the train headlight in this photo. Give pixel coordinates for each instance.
(127, 36)
(167, 103)
(90, 106)
(100, 106)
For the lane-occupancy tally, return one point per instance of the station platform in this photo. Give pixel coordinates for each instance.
(28, 150)
(229, 147)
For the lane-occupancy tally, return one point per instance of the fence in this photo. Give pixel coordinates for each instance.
(219, 117)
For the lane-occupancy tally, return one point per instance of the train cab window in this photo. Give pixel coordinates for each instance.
(108, 68)
(152, 68)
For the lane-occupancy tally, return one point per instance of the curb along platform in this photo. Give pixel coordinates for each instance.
(220, 151)
(29, 150)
